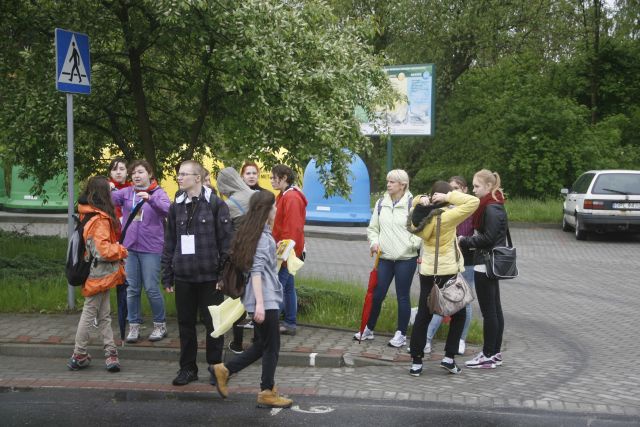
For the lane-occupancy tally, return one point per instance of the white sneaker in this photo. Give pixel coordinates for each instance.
(427, 348)
(398, 340)
(159, 331)
(480, 362)
(462, 347)
(366, 335)
(134, 333)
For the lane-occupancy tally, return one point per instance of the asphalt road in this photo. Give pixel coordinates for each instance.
(91, 407)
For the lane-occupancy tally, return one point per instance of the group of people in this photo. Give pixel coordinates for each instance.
(189, 240)
(404, 232)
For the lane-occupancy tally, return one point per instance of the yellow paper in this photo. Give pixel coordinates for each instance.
(225, 315)
(294, 264)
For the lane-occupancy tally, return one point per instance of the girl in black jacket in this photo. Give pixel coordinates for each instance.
(490, 225)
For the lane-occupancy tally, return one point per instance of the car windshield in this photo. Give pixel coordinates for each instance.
(617, 183)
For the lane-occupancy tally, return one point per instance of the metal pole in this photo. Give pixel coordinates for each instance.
(389, 153)
(71, 300)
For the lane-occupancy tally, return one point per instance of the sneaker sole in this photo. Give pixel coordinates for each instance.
(452, 371)
(157, 339)
(483, 366)
(415, 374)
(396, 346)
(265, 406)
(363, 339)
(113, 369)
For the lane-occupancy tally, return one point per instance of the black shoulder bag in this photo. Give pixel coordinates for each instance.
(501, 261)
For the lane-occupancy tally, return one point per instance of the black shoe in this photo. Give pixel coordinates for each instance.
(212, 375)
(451, 367)
(235, 348)
(185, 376)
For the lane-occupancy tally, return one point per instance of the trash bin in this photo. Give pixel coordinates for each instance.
(22, 199)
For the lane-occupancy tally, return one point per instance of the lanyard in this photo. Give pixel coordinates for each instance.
(194, 210)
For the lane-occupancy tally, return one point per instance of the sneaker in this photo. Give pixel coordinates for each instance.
(427, 348)
(185, 376)
(451, 367)
(497, 359)
(366, 335)
(248, 325)
(398, 340)
(134, 333)
(222, 377)
(79, 361)
(480, 362)
(462, 347)
(271, 399)
(416, 370)
(235, 348)
(112, 363)
(286, 330)
(159, 331)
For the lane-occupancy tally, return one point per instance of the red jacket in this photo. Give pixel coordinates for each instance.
(291, 214)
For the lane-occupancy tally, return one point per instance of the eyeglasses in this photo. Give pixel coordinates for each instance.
(182, 174)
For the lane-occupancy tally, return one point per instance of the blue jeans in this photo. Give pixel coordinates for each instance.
(437, 319)
(403, 271)
(143, 269)
(290, 298)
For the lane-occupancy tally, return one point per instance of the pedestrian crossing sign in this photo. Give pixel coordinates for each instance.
(73, 65)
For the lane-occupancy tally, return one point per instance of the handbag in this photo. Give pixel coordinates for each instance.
(455, 294)
(501, 261)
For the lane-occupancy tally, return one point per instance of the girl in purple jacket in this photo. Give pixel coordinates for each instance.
(144, 239)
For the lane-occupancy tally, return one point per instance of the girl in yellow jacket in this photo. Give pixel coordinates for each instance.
(106, 272)
(450, 261)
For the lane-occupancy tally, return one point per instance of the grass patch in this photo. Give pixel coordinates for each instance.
(532, 210)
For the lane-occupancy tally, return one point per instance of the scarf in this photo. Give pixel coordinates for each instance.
(485, 201)
(149, 189)
(120, 186)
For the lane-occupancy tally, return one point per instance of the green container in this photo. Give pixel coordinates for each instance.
(3, 190)
(22, 199)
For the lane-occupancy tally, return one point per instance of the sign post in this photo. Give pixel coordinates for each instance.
(73, 75)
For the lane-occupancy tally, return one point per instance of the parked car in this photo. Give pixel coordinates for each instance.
(602, 201)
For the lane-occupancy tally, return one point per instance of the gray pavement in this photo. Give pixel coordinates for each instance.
(570, 339)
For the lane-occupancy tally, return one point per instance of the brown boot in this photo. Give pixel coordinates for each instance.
(271, 399)
(222, 377)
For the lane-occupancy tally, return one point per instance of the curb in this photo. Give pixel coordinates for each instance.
(286, 358)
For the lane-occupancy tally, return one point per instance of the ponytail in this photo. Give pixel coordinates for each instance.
(492, 179)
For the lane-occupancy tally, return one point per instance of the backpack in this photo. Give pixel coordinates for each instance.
(78, 267)
(379, 205)
(232, 280)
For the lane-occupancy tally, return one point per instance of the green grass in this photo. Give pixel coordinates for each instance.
(532, 210)
(33, 281)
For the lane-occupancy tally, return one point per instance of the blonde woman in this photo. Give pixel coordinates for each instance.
(387, 233)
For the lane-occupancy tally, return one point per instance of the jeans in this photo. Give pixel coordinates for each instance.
(96, 308)
(403, 271)
(423, 318)
(143, 269)
(192, 298)
(290, 298)
(488, 292)
(436, 320)
(266, 345)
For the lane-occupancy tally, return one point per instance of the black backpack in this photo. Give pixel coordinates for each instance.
(77, 268)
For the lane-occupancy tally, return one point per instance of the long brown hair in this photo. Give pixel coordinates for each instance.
(245, 241)
(97, 193)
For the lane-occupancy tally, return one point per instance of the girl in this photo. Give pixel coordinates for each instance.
(106, 272)
(453, 208)
(253, 249)
(490, 225)
(250, 174)
(145, 241)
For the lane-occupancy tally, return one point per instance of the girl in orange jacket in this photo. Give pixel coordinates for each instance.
(106, 272)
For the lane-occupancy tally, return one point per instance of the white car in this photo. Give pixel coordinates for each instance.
(602, 200)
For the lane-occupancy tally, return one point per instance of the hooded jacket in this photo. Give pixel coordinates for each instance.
(291, 214)
(231, 185)
(451, 217)
(147, 235)
(101, 241)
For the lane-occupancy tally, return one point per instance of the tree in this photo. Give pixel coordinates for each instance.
(175, 80)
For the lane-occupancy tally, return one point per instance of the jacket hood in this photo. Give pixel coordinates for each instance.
(230, 182)
(295, 190)
(86, 208)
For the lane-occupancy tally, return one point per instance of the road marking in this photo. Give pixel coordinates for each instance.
(275, 411)
(312, 359)
(313, 409)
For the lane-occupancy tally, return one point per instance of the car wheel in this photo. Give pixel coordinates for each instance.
(580, 234)
(565, 224)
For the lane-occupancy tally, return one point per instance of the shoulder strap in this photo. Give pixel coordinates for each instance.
(379, 205)
(132, 215)
(435, 264)
(235, 202)
(509, 241)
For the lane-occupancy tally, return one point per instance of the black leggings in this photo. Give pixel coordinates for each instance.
(488, 292)
(423, 318)
(266, 345)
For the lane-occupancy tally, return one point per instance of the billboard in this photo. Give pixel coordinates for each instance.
(413, 114)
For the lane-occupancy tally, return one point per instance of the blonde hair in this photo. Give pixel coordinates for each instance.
(197, 168)
(492, 179)
(399, 175)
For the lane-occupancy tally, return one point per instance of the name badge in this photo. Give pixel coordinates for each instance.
(139, 215)
(188, 244)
